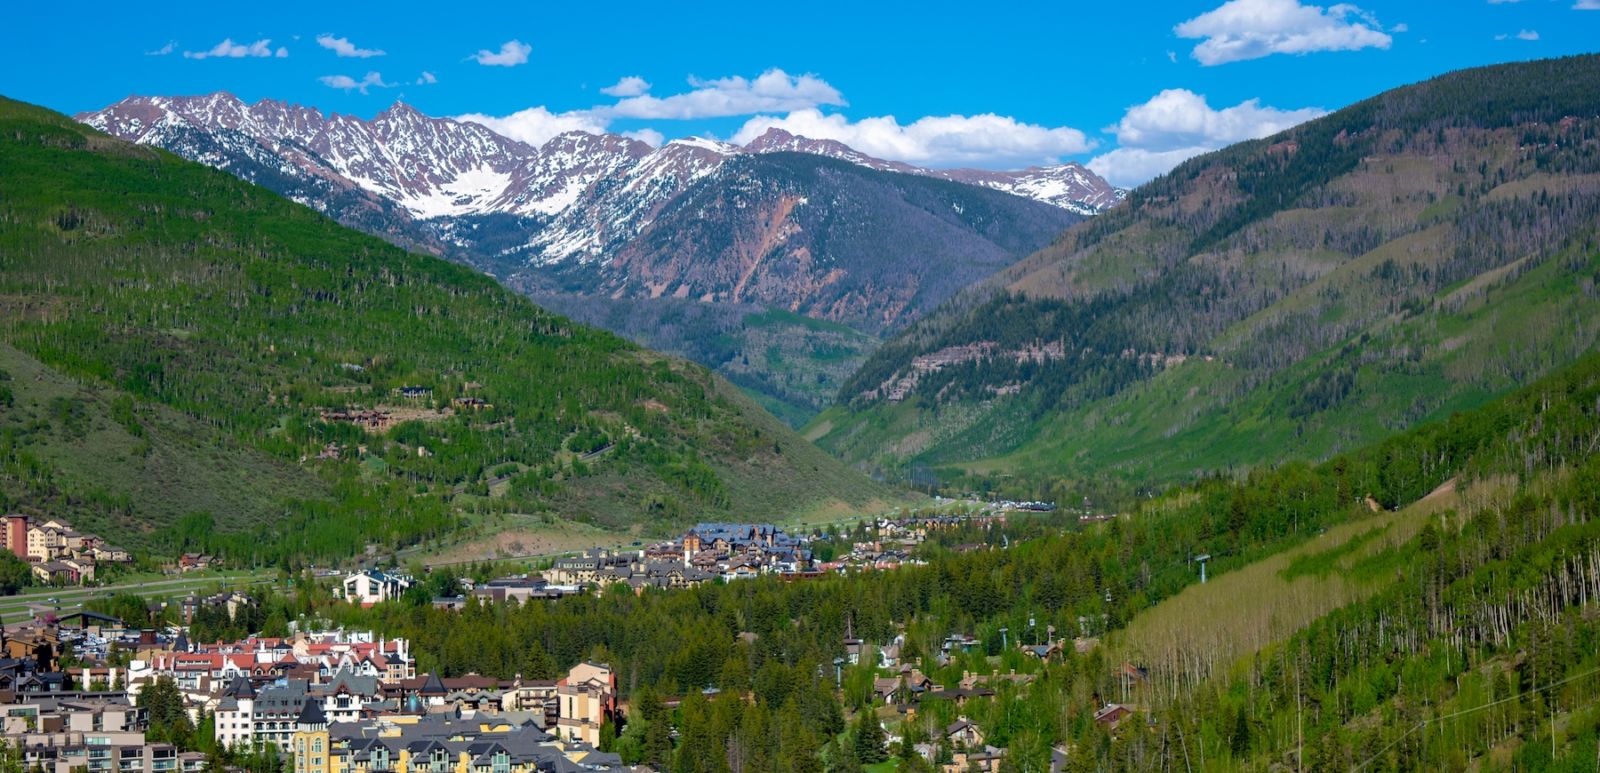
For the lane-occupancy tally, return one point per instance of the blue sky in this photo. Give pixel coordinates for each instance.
(1128, 87)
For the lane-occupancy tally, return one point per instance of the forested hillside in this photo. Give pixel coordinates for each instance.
(790, 363)
(192, 362)
(1471, 636)
(1406, 257)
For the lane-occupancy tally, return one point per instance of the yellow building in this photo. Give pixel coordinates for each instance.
(313, 752)
(48, 540)
(586, 699)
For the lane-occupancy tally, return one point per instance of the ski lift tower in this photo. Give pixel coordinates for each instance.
(1202, 559)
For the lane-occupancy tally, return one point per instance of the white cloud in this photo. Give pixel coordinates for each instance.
(347, 83)
(231, 50)
(942, 141)
(164, 50)
(630, 86)
(1521, 35)
(537, 125)
(778, 99)
(1401, 27)
(649, 137)
(1177, 125)
(773, 91)
(1127, 167)
(426, 79)
(1250, 29)
(511, 54)
(343, 47)
(1586, 5)
(1178, 117)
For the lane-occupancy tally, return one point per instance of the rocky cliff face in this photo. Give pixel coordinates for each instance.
(822, 238)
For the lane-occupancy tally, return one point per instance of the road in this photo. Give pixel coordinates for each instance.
(14, 608)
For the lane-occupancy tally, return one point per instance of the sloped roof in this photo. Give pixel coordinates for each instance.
(240, 687)
(312, 714)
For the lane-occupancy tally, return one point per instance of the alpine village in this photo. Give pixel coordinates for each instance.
(814, 399)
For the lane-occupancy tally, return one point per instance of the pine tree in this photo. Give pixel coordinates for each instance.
(870, 739)
(1239, 744)
(169, 721)
(658, 744)
(842, 757)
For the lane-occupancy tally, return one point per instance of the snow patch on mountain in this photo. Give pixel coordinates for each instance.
(465, 193)
(588, 194)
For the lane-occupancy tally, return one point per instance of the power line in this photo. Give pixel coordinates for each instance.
(1463, 712)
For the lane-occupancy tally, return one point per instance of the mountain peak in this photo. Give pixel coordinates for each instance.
(772, 137)
(400, 110)
(221, 97)
(579, 141)
(776, 140)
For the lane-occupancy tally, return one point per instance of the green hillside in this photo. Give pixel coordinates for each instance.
(790, 363)
(1425, 603)
(1409, 256)
(184, 358)
(1455, 634)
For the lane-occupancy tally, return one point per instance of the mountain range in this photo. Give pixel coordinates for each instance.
(442, 167)
(190, 362)
(1412, 255)
(584, 221)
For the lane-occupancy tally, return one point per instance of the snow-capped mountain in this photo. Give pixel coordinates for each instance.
(438, 167)
(775, 140)
(808, 225)
(1070, 186)
(430, 167)
(671, 245)
(604, 218)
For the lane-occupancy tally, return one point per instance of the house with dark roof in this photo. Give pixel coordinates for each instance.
(963, 734)
(1047, 651)
(274, 713)
(449, 742)
(986, 760)
(1112, 714)
(518, 588)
